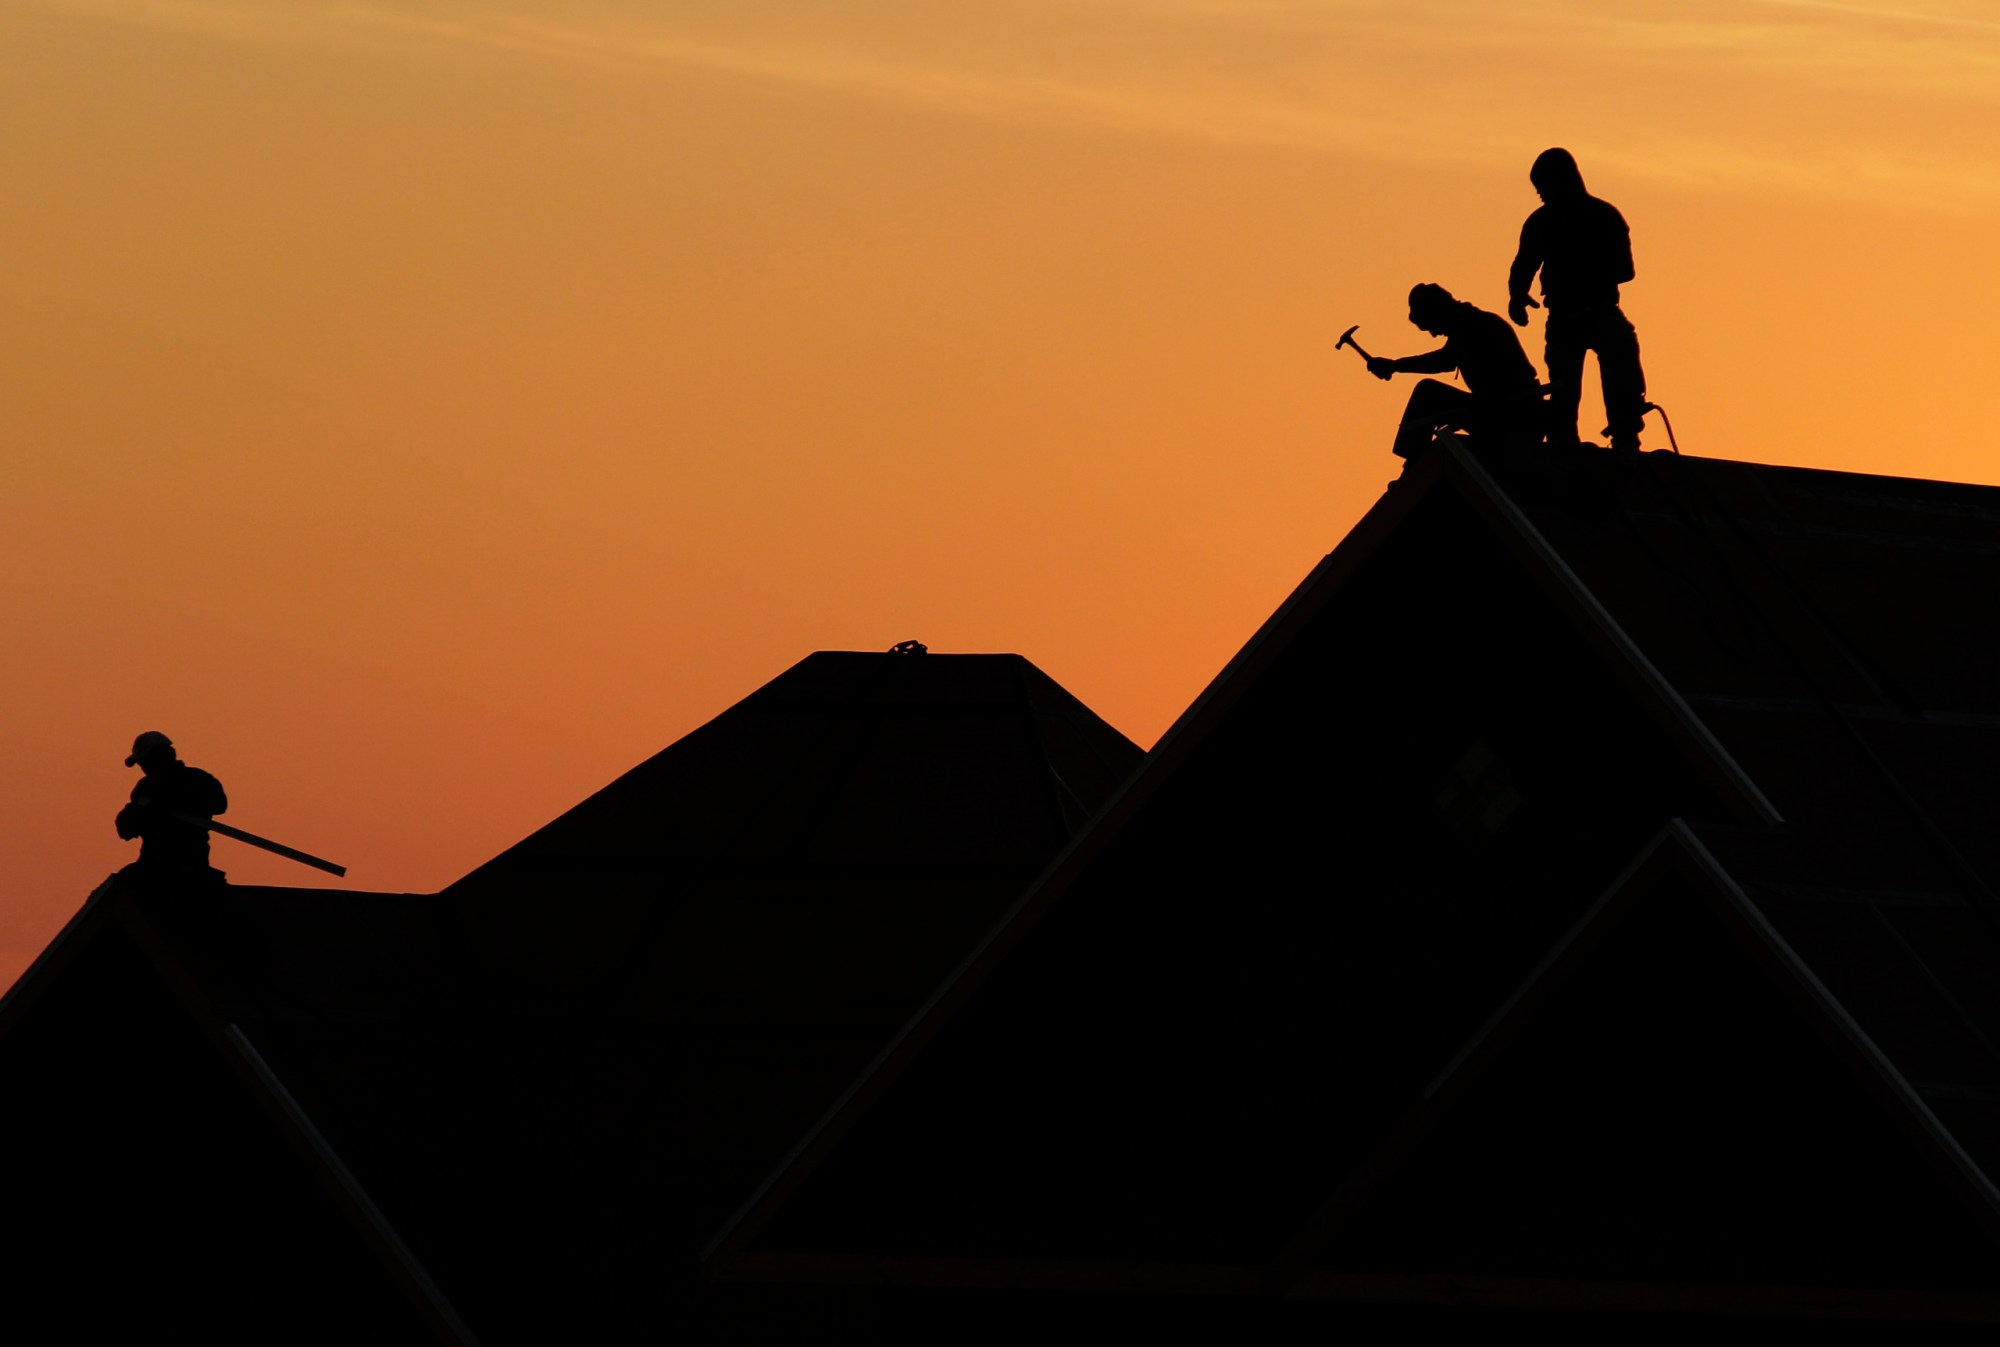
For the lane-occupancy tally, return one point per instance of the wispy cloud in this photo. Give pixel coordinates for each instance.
(1942, 17)
(1787, 96)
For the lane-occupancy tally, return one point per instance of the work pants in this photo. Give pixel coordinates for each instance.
(1435, 406)
(1604, 329)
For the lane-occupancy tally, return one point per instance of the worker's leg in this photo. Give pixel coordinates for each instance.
(1617, 347)
(1432, 404)
(1563, 354)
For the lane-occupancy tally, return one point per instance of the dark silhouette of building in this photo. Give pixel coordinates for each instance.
(1567, 913)
(515, 1110)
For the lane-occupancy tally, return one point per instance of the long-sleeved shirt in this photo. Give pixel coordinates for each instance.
(1483, 349)
(1583, 248)
(165, 840)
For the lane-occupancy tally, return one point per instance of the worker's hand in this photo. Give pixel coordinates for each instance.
(128, 823)
(1381, 367)
(1518, 307)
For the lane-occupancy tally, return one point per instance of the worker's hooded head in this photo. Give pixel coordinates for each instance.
(1556, 176)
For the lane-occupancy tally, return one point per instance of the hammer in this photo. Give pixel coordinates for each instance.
(1347, 339)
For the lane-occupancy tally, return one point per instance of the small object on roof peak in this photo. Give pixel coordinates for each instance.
(909, 648)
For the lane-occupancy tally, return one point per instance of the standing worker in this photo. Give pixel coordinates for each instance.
(169, 846)
(1583, 249)
(1504, 401)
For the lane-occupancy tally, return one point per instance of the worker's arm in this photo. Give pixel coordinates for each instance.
(1621, 250)
(206, 796)
(194, 796)
(1430, 362)
(1527, 261)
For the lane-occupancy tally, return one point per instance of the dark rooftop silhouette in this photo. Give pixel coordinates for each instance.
(1569, 911)
(533, 1096)
(1569, 905)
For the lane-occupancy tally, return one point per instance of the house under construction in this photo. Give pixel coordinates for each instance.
(1568, 913)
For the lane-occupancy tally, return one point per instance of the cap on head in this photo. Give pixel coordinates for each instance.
(1555, 173)
(1427, 301)
(147, 744)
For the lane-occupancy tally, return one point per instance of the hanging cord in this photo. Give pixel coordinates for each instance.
(1645, 407)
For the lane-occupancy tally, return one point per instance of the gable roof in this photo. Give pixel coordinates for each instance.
(556, 1076)
(1536, 562)
(1832, 628)
(160, 1168)
(1673, 1066)
(846, 758)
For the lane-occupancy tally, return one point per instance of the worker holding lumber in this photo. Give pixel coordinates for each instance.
(1500, 401)
(1583, 250)
(170, 804)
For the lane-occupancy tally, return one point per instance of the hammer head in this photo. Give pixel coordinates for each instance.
(1346, 338)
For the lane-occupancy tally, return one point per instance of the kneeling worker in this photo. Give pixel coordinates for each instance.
(1505, 400)
(168, 803)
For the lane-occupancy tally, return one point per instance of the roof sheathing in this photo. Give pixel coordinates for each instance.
(1449, 473)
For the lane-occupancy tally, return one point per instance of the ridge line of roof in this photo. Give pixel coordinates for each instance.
(431, 1297)
(1806, 470)
(1977, 1184)
(1381, 1160)
(1679, 716)
(1172, 746)
(1451, 467)
(29, 986)
(1019, 669)
(270, 1096)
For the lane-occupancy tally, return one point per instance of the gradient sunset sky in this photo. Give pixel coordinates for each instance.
(426, 411)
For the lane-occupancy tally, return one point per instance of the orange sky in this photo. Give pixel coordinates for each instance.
(425, 411)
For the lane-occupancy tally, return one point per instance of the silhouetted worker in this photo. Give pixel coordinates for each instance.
(169, 846)
(1504, 401)
(1583, 249)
